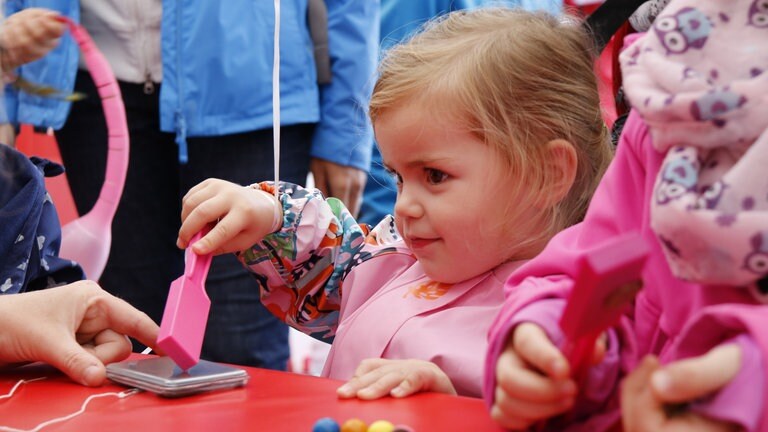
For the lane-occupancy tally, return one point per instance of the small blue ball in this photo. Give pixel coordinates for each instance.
(326, 424)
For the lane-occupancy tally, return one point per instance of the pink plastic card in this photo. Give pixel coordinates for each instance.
(186, 311)
(607, 280)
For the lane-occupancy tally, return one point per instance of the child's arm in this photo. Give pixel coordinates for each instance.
(378, 377)
(617, 207)
(300, 250)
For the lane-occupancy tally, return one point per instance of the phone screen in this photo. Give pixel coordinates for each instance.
(162, 376)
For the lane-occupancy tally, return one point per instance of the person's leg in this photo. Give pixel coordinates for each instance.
(240, 330)
(144, 259)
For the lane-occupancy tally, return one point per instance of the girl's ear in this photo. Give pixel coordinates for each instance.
(561, 163)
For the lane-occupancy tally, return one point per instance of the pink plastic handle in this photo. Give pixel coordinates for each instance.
(606, 282)
(186, 312)
(88, 239)
(196, 266)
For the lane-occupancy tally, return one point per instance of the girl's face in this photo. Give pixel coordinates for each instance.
(456, 204)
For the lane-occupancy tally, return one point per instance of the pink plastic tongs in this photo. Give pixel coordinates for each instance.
(186, 311)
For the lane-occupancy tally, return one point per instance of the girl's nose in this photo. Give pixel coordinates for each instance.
(407, 204)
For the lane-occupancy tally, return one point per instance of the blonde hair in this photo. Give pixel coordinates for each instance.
(516, 80)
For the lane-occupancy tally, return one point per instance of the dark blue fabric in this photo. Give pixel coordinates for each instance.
(31, 233)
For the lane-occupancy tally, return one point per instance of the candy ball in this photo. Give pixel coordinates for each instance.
(381, 426)
(402, 428)
(326, 424)
(354, 425)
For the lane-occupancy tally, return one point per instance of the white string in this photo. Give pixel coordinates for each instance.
(121, 395)
(276, 99)
(13, 390)
(147, 350)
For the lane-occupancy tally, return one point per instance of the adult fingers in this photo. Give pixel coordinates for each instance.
(695, 377)
(108, 312)
(110, 346)
(640, 411)
(65, 354)
(534, 347)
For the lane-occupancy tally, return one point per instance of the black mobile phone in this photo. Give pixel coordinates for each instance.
(162, 376)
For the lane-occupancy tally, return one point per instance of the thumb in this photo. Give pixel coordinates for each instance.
(695, 377)
(72, 359)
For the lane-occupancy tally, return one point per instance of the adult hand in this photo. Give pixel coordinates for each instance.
(339, 181)
(28, 35)
(377, 377)
(78, 328)
(647, 390)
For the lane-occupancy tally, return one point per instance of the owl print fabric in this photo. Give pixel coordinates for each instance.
(698, 78)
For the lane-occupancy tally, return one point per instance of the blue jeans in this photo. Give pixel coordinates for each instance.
(144, 259)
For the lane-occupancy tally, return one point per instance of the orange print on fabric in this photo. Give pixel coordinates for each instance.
(428, 291)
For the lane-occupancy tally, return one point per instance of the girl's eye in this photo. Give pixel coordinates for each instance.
(395, 175)
(435, 176)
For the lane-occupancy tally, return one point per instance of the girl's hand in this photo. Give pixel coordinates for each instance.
(28, 35)
(532, 380)
(648, 388)
(242, 215)
(377, 377)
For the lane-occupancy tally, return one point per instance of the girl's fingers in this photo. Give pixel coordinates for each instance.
(534, 347)
(220, 238)
(368, 365)
(692, 378)
(520, 382)
(353, 386)
(381, 387)
(526, 413)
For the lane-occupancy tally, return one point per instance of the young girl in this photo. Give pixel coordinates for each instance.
(689, 175)
(489, 121)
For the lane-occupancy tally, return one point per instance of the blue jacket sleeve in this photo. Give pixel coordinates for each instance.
(344, 134)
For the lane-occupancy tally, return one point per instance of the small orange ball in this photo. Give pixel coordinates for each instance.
(354, 425)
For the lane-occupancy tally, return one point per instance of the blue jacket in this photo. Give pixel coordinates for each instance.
(217, 72)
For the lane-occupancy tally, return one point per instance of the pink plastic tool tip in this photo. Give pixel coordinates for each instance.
(186, 311)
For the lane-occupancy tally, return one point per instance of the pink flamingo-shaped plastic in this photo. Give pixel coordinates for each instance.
(87, 240)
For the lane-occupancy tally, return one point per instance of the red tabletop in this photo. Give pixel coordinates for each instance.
(271, 401)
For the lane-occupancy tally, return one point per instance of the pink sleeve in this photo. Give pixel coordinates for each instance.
(615, 209)
(741, 401)
(602, 379)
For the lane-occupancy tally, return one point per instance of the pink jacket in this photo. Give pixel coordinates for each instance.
(365, 292)
(672, 318)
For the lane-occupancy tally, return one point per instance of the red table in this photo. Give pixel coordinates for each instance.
(271, 401)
